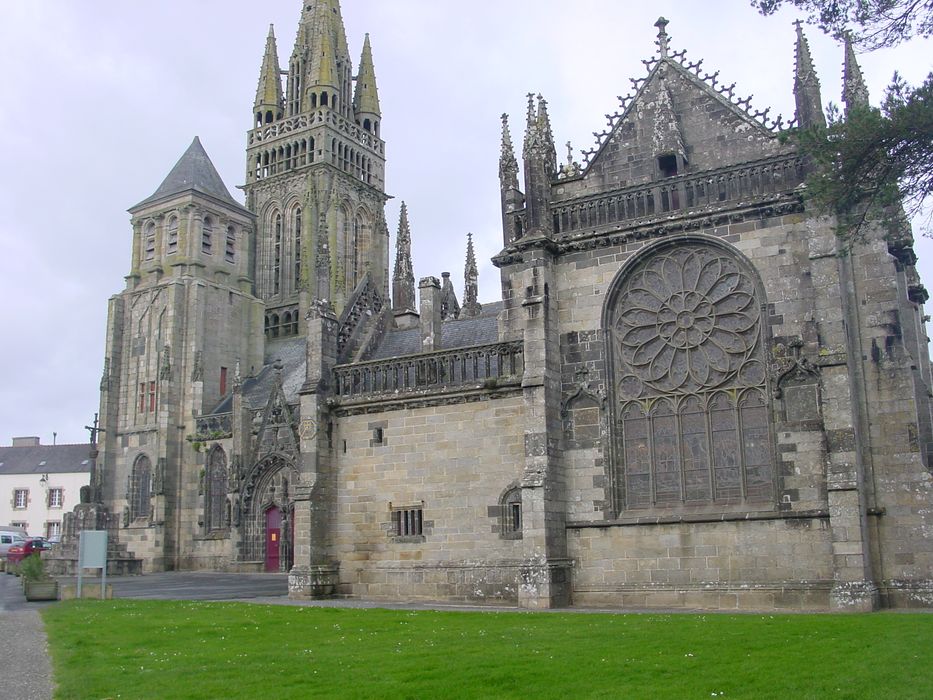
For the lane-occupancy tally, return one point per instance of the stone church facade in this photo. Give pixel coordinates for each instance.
(691, 393)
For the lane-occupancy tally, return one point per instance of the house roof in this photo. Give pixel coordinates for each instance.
(45, 459)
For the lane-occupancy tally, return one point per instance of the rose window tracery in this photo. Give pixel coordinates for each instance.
(687, 321)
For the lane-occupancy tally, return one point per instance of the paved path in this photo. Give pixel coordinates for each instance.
(27, 673)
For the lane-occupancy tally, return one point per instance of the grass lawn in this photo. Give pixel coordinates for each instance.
(158, 649)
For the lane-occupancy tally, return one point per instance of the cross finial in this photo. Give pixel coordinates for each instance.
(798, 24)
(662, 42)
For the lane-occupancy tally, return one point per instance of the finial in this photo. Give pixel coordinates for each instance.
(663, 38)
(569, 154)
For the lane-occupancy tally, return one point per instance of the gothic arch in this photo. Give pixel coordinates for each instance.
(690, 418)
(270, 483)
(139, 492)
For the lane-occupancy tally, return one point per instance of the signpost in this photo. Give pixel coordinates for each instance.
(92, 554)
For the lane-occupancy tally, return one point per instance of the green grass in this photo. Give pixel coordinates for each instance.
(156, 649)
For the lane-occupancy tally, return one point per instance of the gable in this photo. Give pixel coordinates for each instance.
(676, 113)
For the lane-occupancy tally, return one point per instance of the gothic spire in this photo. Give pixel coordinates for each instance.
(366, 99)
(508, 166)
(854, 90)
(323, 63)
(806, 85)
(268, 105)
(544, 125)
(471, 306)
(403, 276)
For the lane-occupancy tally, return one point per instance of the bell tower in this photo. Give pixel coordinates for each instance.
(315, 176)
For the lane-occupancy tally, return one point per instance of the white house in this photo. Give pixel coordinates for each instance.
(40, 483)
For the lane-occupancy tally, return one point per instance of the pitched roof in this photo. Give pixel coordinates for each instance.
(194, 171)
(455, 333)
(45, 459)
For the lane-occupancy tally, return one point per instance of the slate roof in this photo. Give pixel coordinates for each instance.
(256, 390)
(193, 171)
(462, 333)
(45, 459)
(459, 333)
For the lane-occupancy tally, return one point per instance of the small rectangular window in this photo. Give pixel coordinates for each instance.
(150, 247)
(142, 397)
(20, 498)
(20, 524)
(53, 528)
(223, 381)
(152, 397)
(407, 522)
(56, 498)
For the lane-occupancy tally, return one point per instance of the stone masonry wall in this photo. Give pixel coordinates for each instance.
(455, 462)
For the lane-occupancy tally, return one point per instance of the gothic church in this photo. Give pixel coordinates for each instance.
(691, 393)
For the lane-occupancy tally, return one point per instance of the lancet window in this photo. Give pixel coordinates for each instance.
(172, 245)
(297, 249)
(277, 254)
(215, 490)
(140, 487)
(691, 425)
(207, 232)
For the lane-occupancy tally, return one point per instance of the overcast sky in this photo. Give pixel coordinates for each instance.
(101, 97)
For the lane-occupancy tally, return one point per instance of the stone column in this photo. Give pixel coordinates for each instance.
(314, 573)
(545, 571)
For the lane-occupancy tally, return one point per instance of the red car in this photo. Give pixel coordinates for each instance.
(33, 545)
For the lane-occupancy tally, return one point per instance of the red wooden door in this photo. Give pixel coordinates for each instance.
(273, 537)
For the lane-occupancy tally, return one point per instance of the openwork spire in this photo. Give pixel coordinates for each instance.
(806, 85)
(471, 306)
(403, 277)
(854, 90)
(508, 165)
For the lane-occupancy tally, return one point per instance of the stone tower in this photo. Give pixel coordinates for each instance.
(315, 175)
(175, 336)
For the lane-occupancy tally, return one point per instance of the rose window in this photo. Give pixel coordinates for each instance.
(687, 320)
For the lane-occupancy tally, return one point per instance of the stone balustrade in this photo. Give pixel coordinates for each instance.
(435, 371)
(693, 191)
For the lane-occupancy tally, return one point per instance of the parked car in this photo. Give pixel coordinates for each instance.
(33, 545)
(8, 538)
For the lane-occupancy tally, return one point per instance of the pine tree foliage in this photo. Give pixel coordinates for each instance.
(874, 163)
(873, 23)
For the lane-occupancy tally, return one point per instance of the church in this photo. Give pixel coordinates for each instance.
(692, 393)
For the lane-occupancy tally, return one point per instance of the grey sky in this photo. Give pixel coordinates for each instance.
(101, 97)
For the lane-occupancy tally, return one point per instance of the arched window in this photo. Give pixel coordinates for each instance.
(150, 241)
(510, 514)
(207, 231)
(277, 254)
(172, 245)
(690, 426)
(140, 488)
(230, 250)
(297, 249)
(215, 490)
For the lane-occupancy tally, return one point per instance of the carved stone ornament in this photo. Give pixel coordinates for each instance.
(687, 320)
